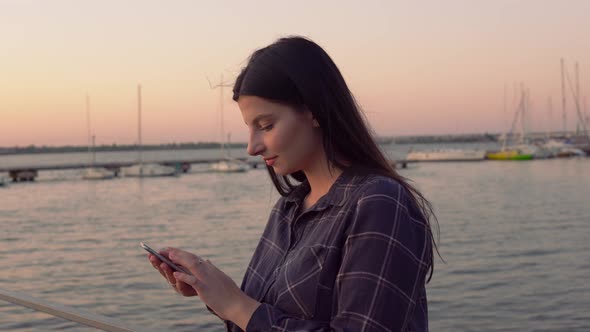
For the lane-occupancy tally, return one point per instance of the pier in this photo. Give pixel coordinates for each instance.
(30, 173)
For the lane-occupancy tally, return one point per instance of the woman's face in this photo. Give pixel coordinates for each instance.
(287, 139)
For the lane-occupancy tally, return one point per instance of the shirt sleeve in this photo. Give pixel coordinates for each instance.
(384, 265)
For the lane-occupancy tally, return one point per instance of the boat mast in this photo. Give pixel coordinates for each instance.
(504, 135)
(523, 114)
(550, 109)
(139, 143)
(576, 95)
(517, 114)
(586, 119)
(581, 113)
(88, 124)
(221, 86)
(563, 99)
(93, 150)
(505, 109)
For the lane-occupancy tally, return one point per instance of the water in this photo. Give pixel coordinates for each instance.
(513, 235)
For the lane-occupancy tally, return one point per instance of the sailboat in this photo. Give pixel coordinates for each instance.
(581, 140)
(446, 155)
(227, 164)
(92, 172)
(96, 173)
(510, 154)
(520, 151)
(150, 169)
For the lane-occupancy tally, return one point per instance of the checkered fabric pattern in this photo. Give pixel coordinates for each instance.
(355, 261)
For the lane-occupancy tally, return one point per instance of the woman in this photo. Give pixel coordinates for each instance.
(349, 245)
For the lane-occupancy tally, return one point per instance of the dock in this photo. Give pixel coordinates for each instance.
(30, 173)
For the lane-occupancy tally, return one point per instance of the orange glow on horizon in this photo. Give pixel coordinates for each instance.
(415, 69)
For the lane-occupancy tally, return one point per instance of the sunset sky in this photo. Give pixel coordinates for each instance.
(416, 67)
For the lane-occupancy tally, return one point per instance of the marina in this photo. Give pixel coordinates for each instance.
(172, 167)
(171, 123)
(29, 173)
(513, 236)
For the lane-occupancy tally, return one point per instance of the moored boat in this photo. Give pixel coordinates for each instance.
(149, 170)
(446, 155)
(97, 173)
(509, 154)
(561, 149)
(229, 166)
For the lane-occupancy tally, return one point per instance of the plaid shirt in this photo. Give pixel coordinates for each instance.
(355, 261)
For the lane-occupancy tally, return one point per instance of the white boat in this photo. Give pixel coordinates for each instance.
(97, 173)
(149, 170)
(560, 149)
(446, 155)
(142, 169)
(229, 166)
(92, 172)
(530, 149)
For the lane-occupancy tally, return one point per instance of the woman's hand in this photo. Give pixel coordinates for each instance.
(214, 287)
(167, 273)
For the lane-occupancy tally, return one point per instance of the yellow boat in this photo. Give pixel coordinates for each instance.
(514, 154)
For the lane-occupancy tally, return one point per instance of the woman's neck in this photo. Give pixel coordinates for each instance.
(321, 177)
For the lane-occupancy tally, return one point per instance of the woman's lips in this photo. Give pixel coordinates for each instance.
(270, 161)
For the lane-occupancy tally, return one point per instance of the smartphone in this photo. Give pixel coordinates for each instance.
(164, 259)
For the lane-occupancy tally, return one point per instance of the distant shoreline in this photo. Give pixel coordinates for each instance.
(32, 149)
(382, 140)
(425, 139)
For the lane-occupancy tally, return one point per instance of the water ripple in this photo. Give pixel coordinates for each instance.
(513, 235)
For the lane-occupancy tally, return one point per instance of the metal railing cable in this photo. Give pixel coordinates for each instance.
(75, 315)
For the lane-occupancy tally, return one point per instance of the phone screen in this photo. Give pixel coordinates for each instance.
(164, 259)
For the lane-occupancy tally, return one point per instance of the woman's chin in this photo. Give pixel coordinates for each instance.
(282, 171)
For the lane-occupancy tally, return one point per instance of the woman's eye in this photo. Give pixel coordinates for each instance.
(266, 128)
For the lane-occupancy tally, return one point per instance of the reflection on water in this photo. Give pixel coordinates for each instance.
(514, 237)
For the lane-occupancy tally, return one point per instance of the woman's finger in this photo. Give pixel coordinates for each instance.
(185, 289)
(168, 273)
(191, 261)
(154, 260)
(182, 287)
(156, 264)
(188, 279)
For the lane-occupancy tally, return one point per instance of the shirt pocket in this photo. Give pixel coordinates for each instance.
(298, 281)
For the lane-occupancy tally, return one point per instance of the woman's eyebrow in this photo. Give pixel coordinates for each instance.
(260, 117)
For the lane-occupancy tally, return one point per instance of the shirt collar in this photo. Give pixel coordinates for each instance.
(337, 195)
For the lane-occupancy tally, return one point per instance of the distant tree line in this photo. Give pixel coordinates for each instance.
(467, 138)
(115, 147)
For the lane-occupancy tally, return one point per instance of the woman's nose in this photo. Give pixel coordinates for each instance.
(255, 146)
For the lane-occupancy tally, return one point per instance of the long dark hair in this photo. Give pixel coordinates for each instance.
(297, 72)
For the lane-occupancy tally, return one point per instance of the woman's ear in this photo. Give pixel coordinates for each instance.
(310, 116)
